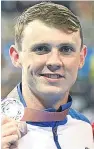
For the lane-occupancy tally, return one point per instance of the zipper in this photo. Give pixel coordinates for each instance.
(55, 136)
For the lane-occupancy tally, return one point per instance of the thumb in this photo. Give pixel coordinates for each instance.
(22, 126)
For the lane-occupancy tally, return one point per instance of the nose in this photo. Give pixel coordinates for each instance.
(53, 67)
(54, 61)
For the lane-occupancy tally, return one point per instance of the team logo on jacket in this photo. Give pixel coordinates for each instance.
(12, 108)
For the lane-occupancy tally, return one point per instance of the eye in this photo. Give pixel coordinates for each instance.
(65, 49)
(41, 49)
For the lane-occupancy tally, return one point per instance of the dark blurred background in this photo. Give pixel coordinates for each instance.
(83, 90)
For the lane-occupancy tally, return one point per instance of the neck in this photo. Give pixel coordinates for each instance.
(32, 101)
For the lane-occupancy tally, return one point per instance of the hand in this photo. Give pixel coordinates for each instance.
(10, 133)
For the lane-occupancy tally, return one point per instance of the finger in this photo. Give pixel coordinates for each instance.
(9, 125)
(7, 141)
(5, 119)
(9, 131)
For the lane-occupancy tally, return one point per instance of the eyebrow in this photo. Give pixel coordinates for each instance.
(40, 44)
(67, 44)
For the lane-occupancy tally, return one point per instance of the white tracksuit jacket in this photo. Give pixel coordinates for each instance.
(74, 132)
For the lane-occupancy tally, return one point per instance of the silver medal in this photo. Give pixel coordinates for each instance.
(12, 108)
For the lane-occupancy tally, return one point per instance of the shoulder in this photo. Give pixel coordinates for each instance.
(77, 115)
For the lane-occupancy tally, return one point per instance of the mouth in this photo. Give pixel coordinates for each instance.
(53, 77)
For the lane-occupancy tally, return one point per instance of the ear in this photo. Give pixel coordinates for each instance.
(14, 55)
(83, 54)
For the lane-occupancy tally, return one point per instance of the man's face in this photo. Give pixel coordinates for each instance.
(50, 58)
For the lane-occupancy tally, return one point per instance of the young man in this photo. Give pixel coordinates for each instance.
(49, 49)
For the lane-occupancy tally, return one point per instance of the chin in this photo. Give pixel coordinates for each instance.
(53, 90)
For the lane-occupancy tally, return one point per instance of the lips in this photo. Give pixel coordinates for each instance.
(52, 76)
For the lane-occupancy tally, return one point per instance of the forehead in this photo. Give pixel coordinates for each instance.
(38, 32)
